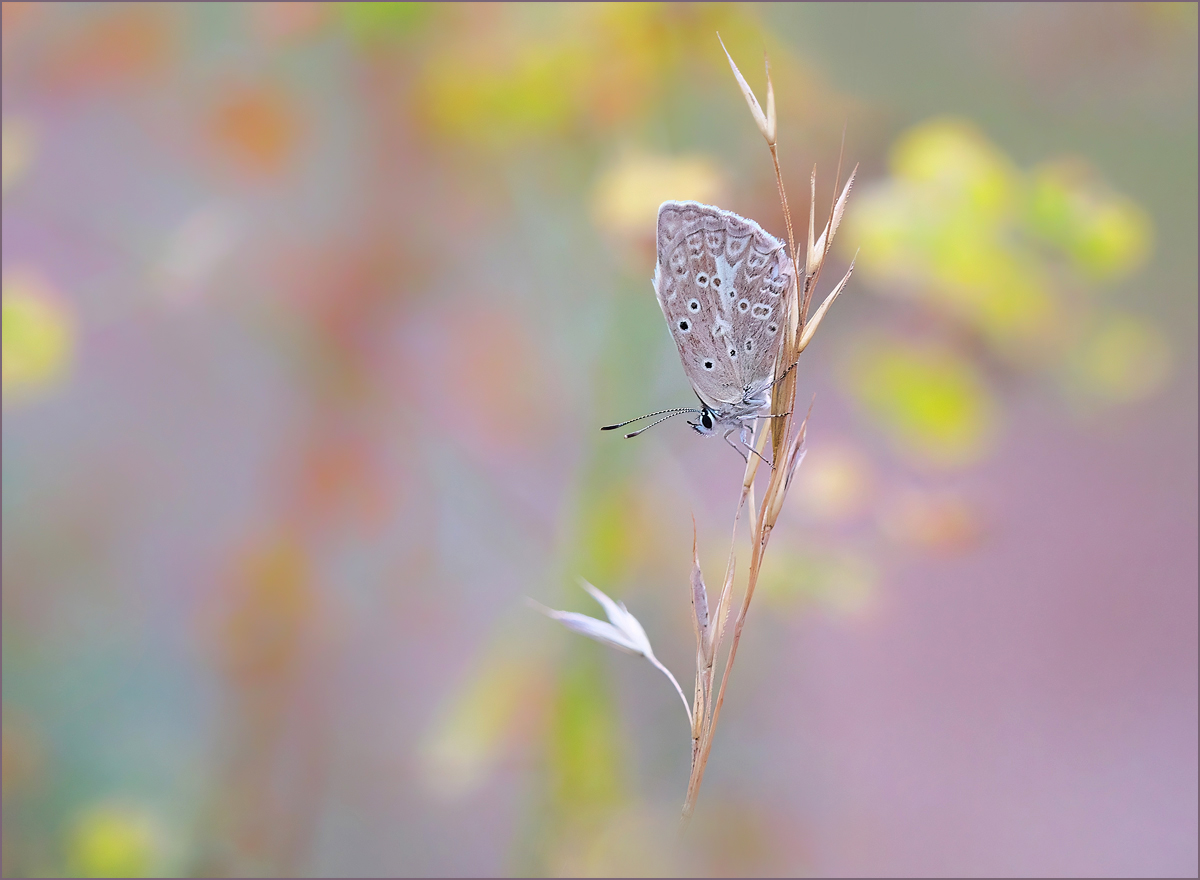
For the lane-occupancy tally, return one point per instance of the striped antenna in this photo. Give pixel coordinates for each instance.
(669, 413)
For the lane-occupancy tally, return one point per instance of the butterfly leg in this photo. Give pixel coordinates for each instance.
(745, 457)
(745, 435)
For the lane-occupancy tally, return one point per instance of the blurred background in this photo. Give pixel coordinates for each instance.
(311, 313)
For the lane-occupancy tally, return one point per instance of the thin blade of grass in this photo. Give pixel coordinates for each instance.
(811, 328)
(832, 226)
(810, 261)
(700, 621)
(760, 119)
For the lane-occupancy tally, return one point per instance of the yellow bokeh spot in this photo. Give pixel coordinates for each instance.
(38, 336)
(528, 72)
(18, 149)
(1177, 18)
(627, 196)
(1018, 316)
(585, 754)
(840, 582)
(1124, 358)
(616, 534)
(274, 613)
(960, 228)
(463, 746)
(628, 841)
(1105, 235)
(940, 231)
(835, 482)
(115, 841)
(1114, 241)
(495, 98)
(932, 403)
(939, 523)
(883, 226)
(955, 157)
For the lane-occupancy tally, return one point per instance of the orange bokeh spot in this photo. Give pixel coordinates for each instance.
(132, 43)
(270, 615)
(491, 372)
(256, 128)
(340, 474)
(15, 14)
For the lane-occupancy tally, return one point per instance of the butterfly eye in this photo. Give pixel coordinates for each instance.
(706, 420)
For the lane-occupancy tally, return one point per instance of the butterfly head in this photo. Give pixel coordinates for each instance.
(706, 423)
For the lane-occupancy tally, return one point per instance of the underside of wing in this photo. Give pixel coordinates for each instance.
(719, 281)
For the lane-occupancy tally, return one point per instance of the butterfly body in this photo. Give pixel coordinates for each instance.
(721, 282)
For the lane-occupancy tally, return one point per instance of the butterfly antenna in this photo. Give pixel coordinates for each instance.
(642, 430)
(673, 412)
(783, 375)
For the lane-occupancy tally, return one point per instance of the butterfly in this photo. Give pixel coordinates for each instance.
(721, 281)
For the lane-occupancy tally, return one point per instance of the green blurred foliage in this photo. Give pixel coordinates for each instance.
(535, 81)
(504, 693)
(613, 533)
(519, 74)
(1017, 260)
(586, 784)
(1105, 235)
(585, 768)
(959, 227)
(372, 24)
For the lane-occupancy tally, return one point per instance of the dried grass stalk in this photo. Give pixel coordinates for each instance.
(787, 441)
(787, 435)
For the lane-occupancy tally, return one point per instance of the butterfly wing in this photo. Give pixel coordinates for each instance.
(719, 281)
(757, 305)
